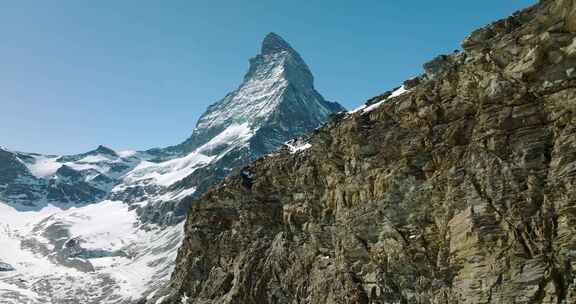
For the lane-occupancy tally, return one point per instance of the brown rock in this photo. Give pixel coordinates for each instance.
(461, 191)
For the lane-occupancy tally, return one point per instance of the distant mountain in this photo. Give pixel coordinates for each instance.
(105, 226)
(276, 102)
(32, 181)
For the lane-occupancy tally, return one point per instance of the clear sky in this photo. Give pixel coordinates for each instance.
(137, 74)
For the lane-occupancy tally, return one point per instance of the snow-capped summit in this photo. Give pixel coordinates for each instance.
(277, 93)
(275, 102)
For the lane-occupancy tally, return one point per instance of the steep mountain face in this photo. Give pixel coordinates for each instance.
(105, 226)
(275, 102)
(456, 188)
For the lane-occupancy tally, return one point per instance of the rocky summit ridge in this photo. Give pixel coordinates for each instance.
(456, 188)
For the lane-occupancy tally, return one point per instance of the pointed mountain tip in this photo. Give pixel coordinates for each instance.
(273, 43)
(105, 150)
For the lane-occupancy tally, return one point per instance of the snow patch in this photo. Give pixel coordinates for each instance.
(358, 109)
(107, 225)
(234, 135)
(175, 195)
(93, 225)
(168, 172)
(94, 159)
(401, 90)
(184, 299)
(43, 166)
(297, 147)
(127, 153)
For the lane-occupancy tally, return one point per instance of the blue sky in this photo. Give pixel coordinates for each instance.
(137, 74)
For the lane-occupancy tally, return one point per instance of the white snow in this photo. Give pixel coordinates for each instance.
(234, 135)
(94, 158)
(295, 148)
(153, 261)
(107, 225)
(358, 109)
(127, 153)
(44, 166)
(396, 93)
(176, 195)
(168, 172)
(93, 224)
(255, 98)
(171, 171)
(81, 167)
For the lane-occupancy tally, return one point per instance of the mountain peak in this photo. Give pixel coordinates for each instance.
(105, 150)
(275, 102)
(273, 43)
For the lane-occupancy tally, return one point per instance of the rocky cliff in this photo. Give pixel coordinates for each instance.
(458, 188)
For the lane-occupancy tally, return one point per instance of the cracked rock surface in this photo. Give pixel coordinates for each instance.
(461, 190)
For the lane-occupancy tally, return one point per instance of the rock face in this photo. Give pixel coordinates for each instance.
(461, 190)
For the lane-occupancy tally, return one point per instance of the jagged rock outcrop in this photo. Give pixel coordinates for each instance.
(458, 191)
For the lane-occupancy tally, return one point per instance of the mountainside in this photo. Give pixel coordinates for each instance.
(275, 103)
(456, 188)
(105, 226)
(276, 100)
(31, 181)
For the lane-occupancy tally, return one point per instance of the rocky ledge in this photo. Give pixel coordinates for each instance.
(461, 190)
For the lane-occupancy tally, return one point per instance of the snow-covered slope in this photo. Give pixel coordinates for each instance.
(93, 254)
(104, 226)
(32, 181)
